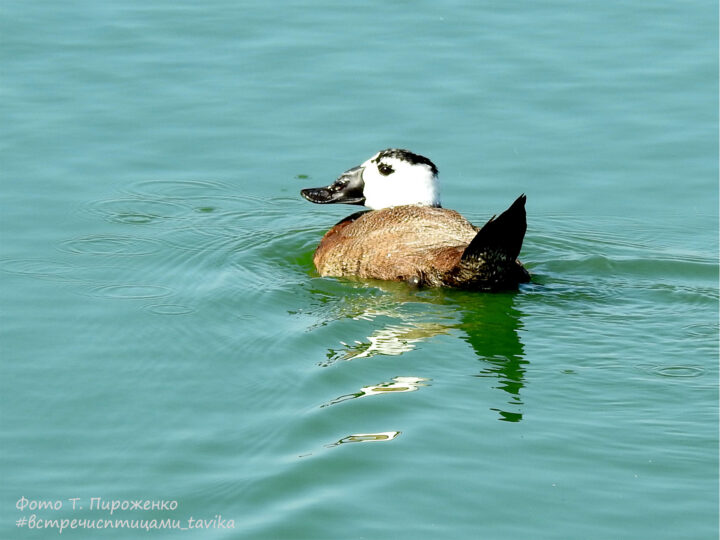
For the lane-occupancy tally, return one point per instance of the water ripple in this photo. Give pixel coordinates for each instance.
(135, 211)
(37, 268)
(131, 292)
(703, 330)
(179, 188)
(169, 309)
(679, 371)
(107, 244)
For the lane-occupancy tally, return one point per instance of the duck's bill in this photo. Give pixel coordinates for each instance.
(348, 189)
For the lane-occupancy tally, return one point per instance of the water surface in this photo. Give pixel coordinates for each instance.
(164, 333)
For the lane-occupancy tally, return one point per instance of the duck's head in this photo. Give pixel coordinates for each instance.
(393, 177)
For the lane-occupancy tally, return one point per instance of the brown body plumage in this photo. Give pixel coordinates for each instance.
(421, 245)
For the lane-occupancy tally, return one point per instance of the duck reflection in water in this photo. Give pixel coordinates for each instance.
(489, 323)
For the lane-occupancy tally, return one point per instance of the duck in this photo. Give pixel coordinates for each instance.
(406, 235)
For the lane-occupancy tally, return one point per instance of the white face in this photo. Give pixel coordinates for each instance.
(391, 180)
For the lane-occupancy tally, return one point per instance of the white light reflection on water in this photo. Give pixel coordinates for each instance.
(396, 385)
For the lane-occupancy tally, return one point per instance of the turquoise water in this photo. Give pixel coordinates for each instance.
(165, 336)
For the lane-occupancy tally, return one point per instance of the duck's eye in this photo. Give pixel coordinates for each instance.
(385, 169)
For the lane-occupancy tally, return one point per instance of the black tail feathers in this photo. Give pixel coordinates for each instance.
(501, 236)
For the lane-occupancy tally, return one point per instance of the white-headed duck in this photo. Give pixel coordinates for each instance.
(408, 236)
